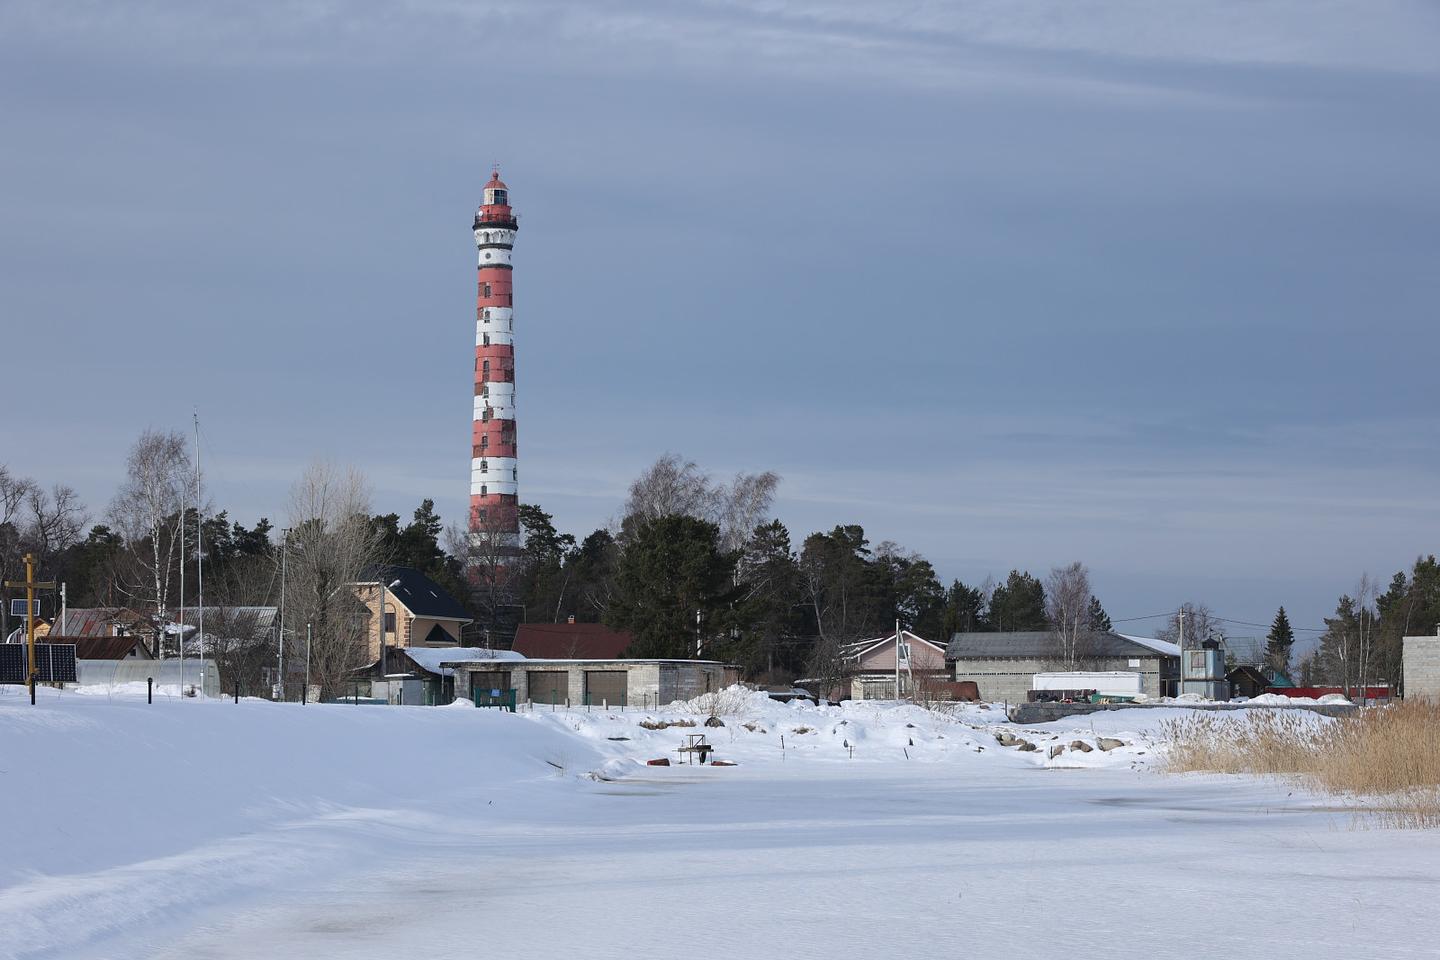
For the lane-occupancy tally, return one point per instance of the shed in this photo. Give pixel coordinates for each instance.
(1247, 681)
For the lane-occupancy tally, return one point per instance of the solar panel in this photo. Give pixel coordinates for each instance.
(54, 663)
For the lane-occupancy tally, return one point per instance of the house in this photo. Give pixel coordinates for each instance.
(608, 682)
(418, 611)
(1420, 658)
(570, 641)
(104, 622)
(1002, 665)
(868, 667)
(1247, 681)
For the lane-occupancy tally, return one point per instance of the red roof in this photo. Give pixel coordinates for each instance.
(100, 648)
(570, 641)
(495, 182)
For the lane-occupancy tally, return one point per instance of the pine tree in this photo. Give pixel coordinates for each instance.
(1278, 643)
(1018, 604)
(1098, 619)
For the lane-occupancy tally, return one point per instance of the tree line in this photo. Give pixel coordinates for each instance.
(693, 567)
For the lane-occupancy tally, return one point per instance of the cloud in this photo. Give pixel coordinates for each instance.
(1100, 48)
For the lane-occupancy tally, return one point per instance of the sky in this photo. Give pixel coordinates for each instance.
(1012, 284)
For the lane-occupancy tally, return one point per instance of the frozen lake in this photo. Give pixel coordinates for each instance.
(796, 857)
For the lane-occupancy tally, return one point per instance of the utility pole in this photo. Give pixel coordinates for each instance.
(31, 585)
(280, 641)
(199, 559)
(1180, 682)
(897, 659)
(306, 695)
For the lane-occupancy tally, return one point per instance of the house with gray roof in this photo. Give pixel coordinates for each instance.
(1002, 665)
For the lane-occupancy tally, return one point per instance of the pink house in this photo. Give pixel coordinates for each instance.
(869, 671)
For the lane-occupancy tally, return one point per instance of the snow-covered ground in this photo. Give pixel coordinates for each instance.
(189, 829)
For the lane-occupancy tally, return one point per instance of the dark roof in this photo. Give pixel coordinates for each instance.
(1253, 674)
(423, 596)
(101, 648)
(100, 621)
(570, 641)
(1040, 644)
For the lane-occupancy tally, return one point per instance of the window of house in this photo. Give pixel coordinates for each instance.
(389, 621)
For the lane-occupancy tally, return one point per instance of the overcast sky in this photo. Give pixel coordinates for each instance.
(1151, 286)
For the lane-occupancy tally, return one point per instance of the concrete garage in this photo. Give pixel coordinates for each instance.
(610, 682)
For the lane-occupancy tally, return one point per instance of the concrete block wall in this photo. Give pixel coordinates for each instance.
(1011, 679)
(1421, 662)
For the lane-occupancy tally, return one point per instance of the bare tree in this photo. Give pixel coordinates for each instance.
(493, 569)
(330, 544)
(675, 487)
(1067, 606)
(148, 512)
(55, 518)
(14, 492)
(670, 487)
(1366, 593)
(1200, 625)
(742, 505)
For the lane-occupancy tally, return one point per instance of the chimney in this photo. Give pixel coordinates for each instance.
(571, 619)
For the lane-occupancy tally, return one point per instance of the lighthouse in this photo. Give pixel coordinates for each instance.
(494, 474)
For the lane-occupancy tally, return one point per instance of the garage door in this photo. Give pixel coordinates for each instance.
(547, 686)
(486, 681)
(605, 686)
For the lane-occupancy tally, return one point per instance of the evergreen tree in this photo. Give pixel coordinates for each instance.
(964, 610)
(1018, 604)
(768, 615)
(1097, 620)
(673, 587)
(1278, 643)
(543, 582)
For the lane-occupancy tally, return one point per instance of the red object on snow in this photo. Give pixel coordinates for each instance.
(662, 762)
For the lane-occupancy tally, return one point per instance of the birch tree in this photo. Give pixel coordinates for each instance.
(148, 512)
(1067, 607)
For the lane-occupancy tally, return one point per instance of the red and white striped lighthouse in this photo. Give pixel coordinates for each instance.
(494, 476)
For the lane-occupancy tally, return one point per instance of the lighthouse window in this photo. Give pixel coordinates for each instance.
(485, 370)
(485, 339)
(500, 196)
(487, 254)
(484, 466)
(485, 289)
(484, 490)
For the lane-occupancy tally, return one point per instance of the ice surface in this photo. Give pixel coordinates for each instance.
(190, 829)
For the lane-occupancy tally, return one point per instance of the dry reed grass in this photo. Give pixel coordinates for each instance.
(1390, 754)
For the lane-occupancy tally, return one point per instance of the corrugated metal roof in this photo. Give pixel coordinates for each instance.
(1159, 646)
(1044, 643)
